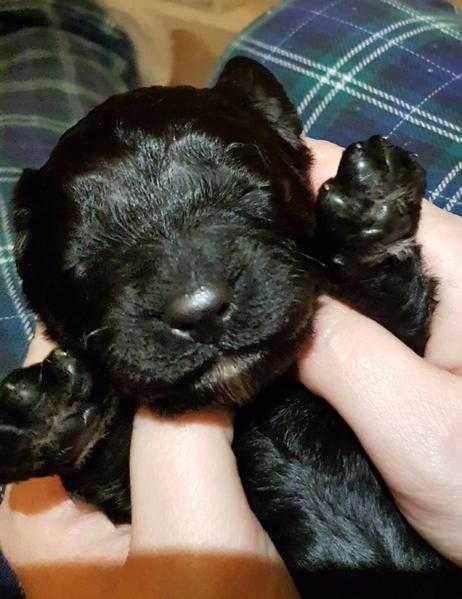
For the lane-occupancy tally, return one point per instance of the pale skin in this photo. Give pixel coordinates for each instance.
(193, 534)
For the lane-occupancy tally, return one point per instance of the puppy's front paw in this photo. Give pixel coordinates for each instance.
(374, 200)
(47, 417)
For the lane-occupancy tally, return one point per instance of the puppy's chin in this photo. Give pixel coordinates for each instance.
(230, 381)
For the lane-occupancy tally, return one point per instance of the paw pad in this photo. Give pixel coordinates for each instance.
(374, 198)
(47, 417)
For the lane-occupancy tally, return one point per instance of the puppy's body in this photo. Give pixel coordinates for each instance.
(172, 247)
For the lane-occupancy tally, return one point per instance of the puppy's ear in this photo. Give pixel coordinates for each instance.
(25, 197)
(257, 86)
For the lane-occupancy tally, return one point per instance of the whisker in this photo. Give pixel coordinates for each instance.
(87, 336)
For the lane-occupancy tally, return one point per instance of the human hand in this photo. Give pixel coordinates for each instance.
(192, 534)
(405, 410)
(63, 548)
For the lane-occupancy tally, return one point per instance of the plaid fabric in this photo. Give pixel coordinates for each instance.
(358, 67)
(58, 59)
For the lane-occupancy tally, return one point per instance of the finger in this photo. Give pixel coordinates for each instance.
(441, 236)
(39, 347)
(406, 412)
(193, 531)
(40, 522)
(57, 548)
(326, 158)
(186, 491)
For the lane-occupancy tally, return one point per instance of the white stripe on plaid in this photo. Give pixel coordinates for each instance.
(33, 120)
(445, 182)
(30, 55)
(428, 97)
(71, 89)
(421, 17)
(313, 15)
(11, 176)
(362, 65)
(454, 200)
(354, 93)
(334, 70)
(399, 45)
(9, 276)
(73, 100)
(319, 66)
(446, 197)
(118, 64)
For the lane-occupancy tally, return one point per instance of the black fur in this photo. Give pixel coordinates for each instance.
(159, 193)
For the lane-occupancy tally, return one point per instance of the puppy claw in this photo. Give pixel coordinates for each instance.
(16, 392)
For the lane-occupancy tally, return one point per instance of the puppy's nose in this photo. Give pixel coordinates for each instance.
(199, 307)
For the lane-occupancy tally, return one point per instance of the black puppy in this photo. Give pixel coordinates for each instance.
(172, 246)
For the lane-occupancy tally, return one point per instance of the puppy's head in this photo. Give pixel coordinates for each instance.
(166, 234)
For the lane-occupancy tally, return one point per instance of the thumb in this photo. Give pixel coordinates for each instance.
(193, 533)
(406, 412)
(186, 490)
